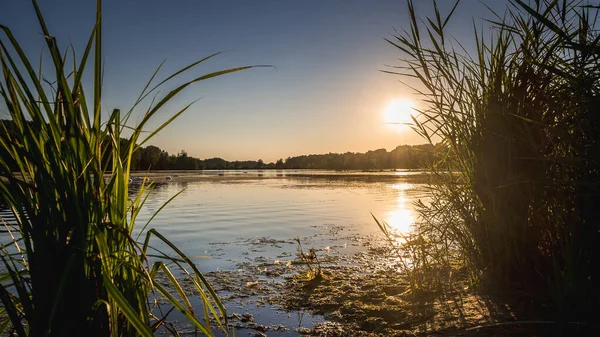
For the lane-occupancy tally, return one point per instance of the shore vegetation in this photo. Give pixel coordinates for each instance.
(71, 264)
(514, 196)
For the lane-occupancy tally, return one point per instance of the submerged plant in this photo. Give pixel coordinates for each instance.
(70, 263)
(517, 119)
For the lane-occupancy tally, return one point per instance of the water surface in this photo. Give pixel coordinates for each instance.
(229, 220)
(224, 206)
(226, 219)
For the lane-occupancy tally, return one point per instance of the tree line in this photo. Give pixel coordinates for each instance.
(154, 158)
(402, 157)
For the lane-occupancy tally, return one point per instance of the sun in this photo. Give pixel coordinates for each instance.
(399, 112)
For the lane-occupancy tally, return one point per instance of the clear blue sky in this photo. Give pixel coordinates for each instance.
(326, 94)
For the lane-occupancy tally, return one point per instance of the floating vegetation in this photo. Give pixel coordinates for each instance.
(363, 293)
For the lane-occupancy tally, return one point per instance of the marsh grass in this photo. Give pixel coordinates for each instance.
(71, 264)
(514, 196)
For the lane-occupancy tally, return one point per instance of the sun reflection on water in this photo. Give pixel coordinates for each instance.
(401, 218)
(402, 186)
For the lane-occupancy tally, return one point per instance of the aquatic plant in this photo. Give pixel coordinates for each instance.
(517, 119)
(71, 265)
(310, 259)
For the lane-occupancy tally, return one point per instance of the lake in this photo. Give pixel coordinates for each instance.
(227, 220)
(238, 225)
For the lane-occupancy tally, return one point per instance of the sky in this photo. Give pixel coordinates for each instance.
(325, 91)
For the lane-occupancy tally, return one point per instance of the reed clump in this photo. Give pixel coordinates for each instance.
(514, 197)
(70, 262)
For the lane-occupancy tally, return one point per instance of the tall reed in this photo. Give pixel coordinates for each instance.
(518, 120)
(72, 266)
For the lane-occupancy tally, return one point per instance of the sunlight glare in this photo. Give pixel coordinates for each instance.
(399, 113)
(402, 186)
(401, 218)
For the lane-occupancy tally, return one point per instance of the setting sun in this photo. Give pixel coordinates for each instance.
(399, 112)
